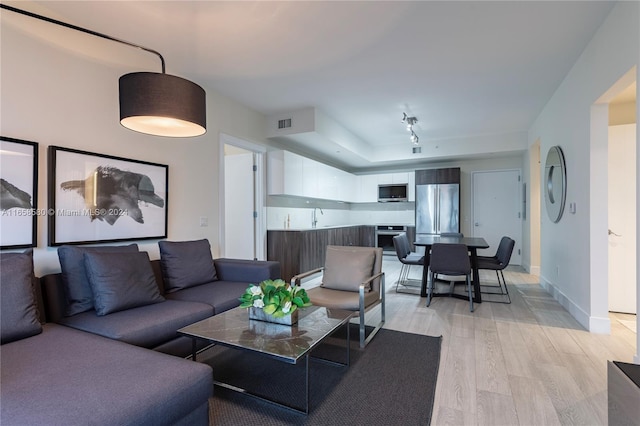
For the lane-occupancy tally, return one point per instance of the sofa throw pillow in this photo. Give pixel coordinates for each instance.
(346, 268)
(77, 289)
(121, 281)
(186, 264)
(18, 308)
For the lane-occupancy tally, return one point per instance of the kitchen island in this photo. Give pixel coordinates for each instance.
(300, 250)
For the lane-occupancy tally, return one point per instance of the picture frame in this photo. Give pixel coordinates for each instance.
(18, 193)
(98, 198)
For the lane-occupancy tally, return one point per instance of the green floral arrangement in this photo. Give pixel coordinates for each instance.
(275, 297)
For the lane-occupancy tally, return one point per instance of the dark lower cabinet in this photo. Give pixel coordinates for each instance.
(367, 236)
(301, 251)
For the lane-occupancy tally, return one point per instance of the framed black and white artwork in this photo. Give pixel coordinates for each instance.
(18, 193)
(99, 198)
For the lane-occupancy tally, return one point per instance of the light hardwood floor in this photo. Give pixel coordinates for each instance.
(524, 363)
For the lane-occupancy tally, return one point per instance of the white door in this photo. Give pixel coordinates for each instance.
(622, 218)
(239, 241)
(497, 210)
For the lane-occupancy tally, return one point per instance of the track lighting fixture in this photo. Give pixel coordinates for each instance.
(411, 121)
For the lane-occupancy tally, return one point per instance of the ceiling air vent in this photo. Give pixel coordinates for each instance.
(284, 124)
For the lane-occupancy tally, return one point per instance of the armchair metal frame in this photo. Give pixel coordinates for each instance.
(364, 340)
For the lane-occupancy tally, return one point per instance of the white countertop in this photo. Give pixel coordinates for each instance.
(320, 227)
(317, 228)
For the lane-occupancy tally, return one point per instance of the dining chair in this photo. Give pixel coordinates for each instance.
(352, 280)
(498, 263)
(452, 280)
(406, 257)
(450, 259)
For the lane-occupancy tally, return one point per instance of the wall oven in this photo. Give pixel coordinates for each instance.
(384, 237)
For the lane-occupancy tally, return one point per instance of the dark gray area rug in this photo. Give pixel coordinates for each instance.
(391, 381)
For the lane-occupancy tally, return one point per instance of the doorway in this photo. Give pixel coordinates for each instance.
(622, 201)
(497, 203)
(622, 218)
(242, 207)
(605, 120)
(531, 209)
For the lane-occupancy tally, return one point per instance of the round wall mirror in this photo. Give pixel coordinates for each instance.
(555, 183)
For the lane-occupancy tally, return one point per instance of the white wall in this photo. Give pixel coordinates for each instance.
(58, 97)
(573, 267)
(300, 217)
(239, 241)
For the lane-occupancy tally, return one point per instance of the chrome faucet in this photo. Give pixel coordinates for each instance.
(314, 216)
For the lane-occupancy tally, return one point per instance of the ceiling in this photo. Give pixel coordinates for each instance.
(466, 70)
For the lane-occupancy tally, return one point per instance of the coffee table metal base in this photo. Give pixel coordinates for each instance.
(305, 408)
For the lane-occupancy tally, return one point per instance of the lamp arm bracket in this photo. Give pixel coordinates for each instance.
(84, 30)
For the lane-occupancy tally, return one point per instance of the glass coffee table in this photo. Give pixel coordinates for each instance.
(285, 343)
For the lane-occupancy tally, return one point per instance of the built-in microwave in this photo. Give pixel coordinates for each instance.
(392, 192)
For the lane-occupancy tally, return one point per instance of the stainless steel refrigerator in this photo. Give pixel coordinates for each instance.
(437, 208)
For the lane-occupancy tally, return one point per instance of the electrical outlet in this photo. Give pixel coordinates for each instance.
(204, 221)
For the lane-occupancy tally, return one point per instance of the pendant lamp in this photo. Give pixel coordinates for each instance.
(157, 104)
(162, 104)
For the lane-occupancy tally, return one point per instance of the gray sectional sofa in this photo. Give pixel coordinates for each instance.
(106, 362)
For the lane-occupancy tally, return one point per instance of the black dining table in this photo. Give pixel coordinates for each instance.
(472, 243)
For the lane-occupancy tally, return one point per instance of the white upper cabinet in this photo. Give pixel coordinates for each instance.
(367, 188)
(292, 174)
(411, 177)
(399, 177)
(392, 178)
(284, 173)
(310, 178)
(348, 190)
(384, 179)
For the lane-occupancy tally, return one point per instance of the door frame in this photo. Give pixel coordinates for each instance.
(598, 315)
(473, 195)
(259, 192)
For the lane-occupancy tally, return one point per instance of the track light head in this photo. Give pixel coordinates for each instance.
(411, 121)
(414, 138)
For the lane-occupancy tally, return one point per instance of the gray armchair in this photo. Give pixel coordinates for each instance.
(352, 280)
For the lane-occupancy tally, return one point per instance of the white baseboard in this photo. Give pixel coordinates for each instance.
(533, 270)
(600, 325)
(593, 324)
